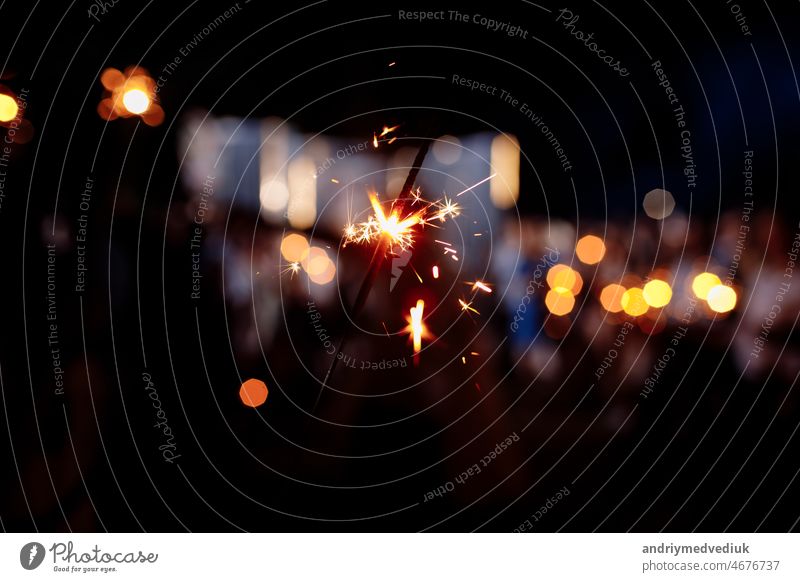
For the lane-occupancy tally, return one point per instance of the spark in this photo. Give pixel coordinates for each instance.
(435, 271)
(463, 360)
(467, 306)
(385, 329)
(392, 63)
(397, 229)
(474, 354)
(293, 268)
(446, 208)
(441, 242)
(415, 272)
(387, 129)
(397, 226)
(480, 285)
(334, 180)
(475, 185)
(391, 141)
(416, 327)
(374, 140)
(478, 234)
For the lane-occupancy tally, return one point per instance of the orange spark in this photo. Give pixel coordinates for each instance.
(481, 285)
(435, 271)
(467, 306)
(374, 140)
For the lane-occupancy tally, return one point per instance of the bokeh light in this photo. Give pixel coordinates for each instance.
(658, 204)
(447, 150)
(703, 283)
(253, 393)
(565, 278)
(325, 275)
(504, 186)
(294, 247)
(590, 249)
(633, 302)
(128, 93)
(314, 260)
(274, 195)
(8, 107)
(721, 298)
(611, 297)
(559, 301)
(657, 293)
(136, 101)
(112, 78)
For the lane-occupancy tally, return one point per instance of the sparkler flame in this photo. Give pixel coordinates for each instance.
(397, 230)
(416, 327)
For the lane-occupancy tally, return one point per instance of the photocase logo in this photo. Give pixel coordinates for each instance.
(31, 555)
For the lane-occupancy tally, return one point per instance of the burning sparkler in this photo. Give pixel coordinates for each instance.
(395, 228)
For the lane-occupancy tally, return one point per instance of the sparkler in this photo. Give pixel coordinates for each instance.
(398, 227)
(394, 229)
(377, 256)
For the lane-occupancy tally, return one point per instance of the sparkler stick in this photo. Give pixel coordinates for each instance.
(374, 265)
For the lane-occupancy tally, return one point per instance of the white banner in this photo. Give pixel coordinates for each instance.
(401, 557)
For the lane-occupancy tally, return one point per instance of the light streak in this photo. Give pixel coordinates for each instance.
(475, 185)
(480, 285)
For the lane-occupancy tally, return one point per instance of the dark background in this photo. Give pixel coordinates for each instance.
(88, 461)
